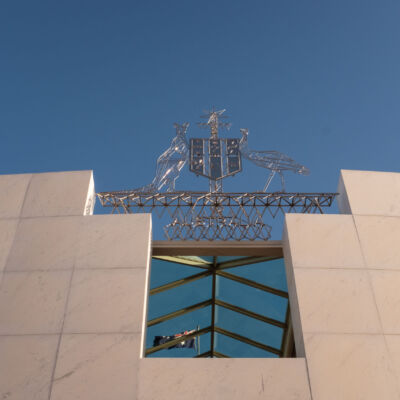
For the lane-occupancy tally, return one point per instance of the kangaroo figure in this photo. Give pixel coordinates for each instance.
(170, 163)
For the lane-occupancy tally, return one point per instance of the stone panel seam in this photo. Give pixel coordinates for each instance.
(394, 269)
(19, 222)
(28, 186)
(16, 271)
(376, 308)
(63, 322)
(329, 268)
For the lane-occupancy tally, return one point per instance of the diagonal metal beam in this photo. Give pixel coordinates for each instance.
(171, 343)
(179, 282)
(248, 261)
(180, 312)
(248, 341)
(203, 355)
(220, 355)
(254, 284)
(250, 314)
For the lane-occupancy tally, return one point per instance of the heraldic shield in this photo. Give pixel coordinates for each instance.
(215, 158)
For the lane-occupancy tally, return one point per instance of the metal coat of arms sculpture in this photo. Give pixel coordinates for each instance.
(216, 215)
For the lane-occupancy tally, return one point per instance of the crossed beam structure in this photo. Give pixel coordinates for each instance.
(213, 215)
(217, 269)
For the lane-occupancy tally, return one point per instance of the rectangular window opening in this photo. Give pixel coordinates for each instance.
(210, 299)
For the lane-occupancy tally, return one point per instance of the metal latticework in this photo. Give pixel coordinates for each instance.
(216, 215)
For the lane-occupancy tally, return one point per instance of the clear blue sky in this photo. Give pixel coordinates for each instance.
(98, 84)
(95, 84)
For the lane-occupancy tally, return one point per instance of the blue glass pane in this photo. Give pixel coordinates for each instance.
(234, 348)
(163, 272)
(198, 318)
(271, 273)
(252, 299)
(179, 297)
(204, 342)
(249, 327)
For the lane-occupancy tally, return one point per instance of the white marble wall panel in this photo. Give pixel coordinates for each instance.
(379, 239)
(216, 379)
(33, 302)
(386, 285)
(113, 241)
(26, 366)
(323, 241)
(341, 300)
(350, 367)
(48, 243)
(371, 192)
(8, 228)
(106, 300)
(58, 193)
(13, 191)
(97, 367)
(347, 315)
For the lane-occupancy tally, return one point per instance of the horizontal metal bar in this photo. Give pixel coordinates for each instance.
(217, 248)
(171, 343)
(254, 284)
(247, 341)
(179, 282)
(240, 262)
(183, 261)
(180, 312)
(250, 314)
(220, 355)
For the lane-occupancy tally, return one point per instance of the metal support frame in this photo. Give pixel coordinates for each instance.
(216, 216)
(216, 269)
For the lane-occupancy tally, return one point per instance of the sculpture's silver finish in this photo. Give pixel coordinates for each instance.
(214, 122)
(170, 163)
(275, 161)
(215, 158)
(215, 215)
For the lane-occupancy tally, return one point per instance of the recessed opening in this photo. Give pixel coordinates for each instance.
(207, 300)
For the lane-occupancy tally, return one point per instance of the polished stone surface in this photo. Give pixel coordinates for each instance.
(45, 244)
(323, 241)
(97, 367)
(379, 238)
(215, 379)
(58, 193)
(109, 241)
(106, 300)
(350, 367)
(13, 191)
(26, 366)
(8, 227)
(336, 300)
(33, 302)
(372, 193)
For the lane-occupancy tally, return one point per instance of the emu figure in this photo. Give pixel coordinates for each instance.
(275, 161)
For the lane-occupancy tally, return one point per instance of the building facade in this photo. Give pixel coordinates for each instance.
(74, 292)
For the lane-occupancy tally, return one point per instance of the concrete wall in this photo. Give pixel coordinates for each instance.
(344, 286)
